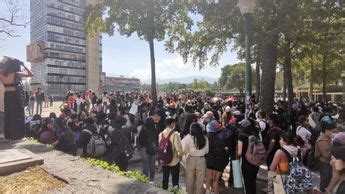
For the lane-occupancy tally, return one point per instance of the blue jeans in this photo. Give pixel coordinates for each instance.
(148, 164)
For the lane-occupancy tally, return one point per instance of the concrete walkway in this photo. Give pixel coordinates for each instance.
(81, 176)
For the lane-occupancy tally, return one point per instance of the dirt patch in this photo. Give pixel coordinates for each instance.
(32, 180)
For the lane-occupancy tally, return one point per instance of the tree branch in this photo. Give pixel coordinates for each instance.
(8, 33)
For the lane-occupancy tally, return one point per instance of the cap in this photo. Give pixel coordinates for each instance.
(214, 126)
(327, 122)
(245, 123)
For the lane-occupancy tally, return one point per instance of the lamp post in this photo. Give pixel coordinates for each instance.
(246, 8)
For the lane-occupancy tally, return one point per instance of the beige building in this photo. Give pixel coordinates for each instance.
(93, 58)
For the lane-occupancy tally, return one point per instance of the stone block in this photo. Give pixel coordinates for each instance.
(16, 160)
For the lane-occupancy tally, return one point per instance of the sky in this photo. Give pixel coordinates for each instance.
(121, 55)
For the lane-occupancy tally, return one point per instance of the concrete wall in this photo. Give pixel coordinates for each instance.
(93, 70)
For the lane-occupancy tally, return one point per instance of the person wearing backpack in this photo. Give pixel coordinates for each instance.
(169, 153)
(249, 171)
(303, 132)
(323, 148)
(217, 157)
(122, 149)
(262, 124)
(298, 177)
(289, 146)
(195, 147)
(314, 122)
(280, 163)
(88, 129)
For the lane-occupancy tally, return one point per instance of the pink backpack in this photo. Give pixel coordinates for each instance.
(256, 151)
(164, 150)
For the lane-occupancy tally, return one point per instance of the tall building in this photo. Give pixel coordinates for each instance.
(62, 57)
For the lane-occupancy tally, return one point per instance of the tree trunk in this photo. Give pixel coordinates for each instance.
(269, 73)
(288, 75)
(153, 72)
(311, 84)
(324, 78)
(284, 83)
(258, 80)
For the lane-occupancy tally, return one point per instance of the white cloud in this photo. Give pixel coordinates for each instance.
(174, 67)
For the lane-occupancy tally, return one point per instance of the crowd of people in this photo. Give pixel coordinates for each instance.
(194, 130)
(199, 132)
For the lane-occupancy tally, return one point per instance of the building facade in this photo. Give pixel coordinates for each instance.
(120, 83)
(62, 57)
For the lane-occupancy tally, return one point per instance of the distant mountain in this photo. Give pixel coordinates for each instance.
(183, 80)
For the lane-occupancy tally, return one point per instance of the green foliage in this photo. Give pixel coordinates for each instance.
(129, 174)
(32, 139)
(146, 18)
(233, 77)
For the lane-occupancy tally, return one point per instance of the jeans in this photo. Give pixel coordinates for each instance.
(175, 174)
(31, 108)
(249, 173)
(148, 164)
(325, 170)
(195, 174)
(39, 107)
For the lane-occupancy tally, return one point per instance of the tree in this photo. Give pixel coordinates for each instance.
(148, 19)
(11, 17)
(233, 77)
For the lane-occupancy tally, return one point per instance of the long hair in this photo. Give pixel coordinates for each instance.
(11, 65)
(198, 135)
(190, 118)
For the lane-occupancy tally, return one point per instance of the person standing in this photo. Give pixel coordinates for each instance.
(323, 148)
(217, 158)
(195, 147)
(173, 167)
(249, 171)
(272, 140)
(10, 76)
(147, 143)
(39, 101)
(31, 104)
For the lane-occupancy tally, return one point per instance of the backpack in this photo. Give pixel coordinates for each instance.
(256, 151)
(104, 132)
(164, 150)
(96, 146)
(126, 149)
(299, 177)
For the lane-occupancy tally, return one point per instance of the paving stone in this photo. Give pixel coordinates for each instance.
(81, 176)
(16, 160)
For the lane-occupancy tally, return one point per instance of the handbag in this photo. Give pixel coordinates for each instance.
(237, 174)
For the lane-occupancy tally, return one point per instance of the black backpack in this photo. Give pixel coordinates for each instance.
(124, 150)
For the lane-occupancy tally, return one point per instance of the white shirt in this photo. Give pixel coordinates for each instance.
(189, 147)
(304, 134)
